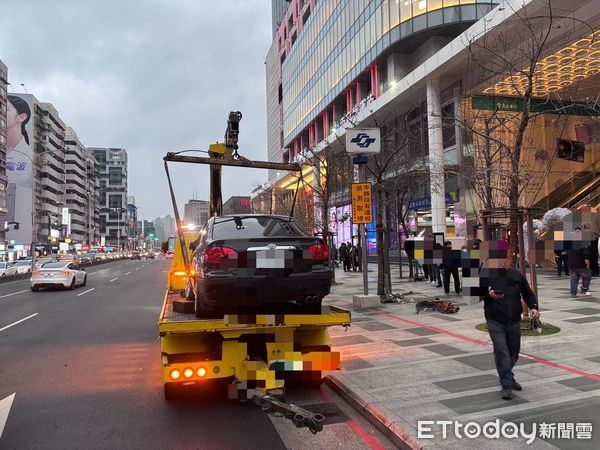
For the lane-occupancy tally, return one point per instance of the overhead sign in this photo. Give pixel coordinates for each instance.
(511, 104)
(65, 216)
(362, 203)
(363, 141)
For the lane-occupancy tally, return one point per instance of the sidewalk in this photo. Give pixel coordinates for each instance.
(402, 367)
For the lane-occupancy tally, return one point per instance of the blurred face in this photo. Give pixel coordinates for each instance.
(13, 118)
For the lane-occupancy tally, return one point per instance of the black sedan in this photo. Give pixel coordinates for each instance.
(241, 263)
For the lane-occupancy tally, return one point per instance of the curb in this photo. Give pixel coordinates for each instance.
(390, 429)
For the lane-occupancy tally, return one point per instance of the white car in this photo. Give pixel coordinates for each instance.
(23, 266)
(58, 274)
(7, 270)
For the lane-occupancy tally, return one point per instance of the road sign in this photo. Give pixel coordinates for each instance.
(362, 203)
(363, 141)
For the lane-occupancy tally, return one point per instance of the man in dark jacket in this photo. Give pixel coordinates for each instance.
(579, 263)
(501, 290)
(451, 260)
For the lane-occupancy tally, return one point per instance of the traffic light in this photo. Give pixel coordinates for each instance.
(151, 235)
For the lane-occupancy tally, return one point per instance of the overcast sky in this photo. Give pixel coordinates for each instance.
(150, 76)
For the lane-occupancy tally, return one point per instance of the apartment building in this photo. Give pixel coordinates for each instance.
(3, 177)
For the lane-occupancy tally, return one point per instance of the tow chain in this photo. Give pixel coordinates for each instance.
(299, 416)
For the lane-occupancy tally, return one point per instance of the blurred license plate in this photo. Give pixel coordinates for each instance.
(274, 259)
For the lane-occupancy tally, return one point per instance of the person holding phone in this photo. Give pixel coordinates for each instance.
(501, 289)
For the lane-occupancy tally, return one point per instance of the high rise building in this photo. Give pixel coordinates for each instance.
(196, 212)
(92, 219)
(3, 178)
(278, 10)
(113, 194)
(77, 187)
(238, 204)
(132, 229)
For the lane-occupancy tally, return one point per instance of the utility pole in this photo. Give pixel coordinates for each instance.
(362, 177)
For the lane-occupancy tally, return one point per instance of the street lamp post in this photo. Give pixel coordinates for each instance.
(118, 211)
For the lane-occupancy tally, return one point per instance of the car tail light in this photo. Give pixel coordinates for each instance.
(66, 273)
(213, 255)
(320, 252)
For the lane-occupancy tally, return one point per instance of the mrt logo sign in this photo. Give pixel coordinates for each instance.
(363, 141)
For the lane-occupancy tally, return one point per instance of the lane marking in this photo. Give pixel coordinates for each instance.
(85, 292)
(110, 281)
(14, 293)
(137, 268)
(127, 273)
(18, 322)
(5, 405)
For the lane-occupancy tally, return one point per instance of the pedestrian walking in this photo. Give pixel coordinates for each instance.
(451, 260)
(561, 262)
(348, 258)
(343, 256)
(501, 289)
(579, 264)
(593, 251)
(354, 257)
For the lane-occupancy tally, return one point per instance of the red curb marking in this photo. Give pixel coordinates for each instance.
(358, 429)
(582, 373)
(365, 436)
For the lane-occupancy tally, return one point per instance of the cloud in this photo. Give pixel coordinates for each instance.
(149, 76)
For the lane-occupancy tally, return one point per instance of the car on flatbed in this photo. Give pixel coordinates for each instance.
(67, 275)
(243, 262)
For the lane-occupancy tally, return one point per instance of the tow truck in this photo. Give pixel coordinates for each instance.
(253, 355)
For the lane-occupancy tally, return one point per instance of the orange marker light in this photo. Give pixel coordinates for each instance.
(201, 372)
(187, 373)
(175, 374)
(179, 274)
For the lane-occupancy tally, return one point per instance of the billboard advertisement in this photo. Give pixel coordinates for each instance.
(19, 170)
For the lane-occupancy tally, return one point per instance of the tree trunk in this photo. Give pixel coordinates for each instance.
(386, 246)
(380, 243)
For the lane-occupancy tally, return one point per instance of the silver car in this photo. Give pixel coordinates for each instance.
(23, 266)
(7, 270)
(58, 274)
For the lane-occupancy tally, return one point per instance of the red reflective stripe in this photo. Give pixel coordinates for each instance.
(364, 435)
(582, 373)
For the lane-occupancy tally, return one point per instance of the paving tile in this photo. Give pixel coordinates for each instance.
(361, 319)
(595, 359)
(581, 384)
(586, 311)
(445, 350)
(485, 361)
(421, 331)
(585, 299)
(584, 319)
(468, 404)
(350, 340)
(446, 317)
(468, 383)
(416, 341)
(575, 411)
(375, 326)
(355, 364)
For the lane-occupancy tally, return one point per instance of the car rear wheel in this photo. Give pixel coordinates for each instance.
(72, 286)
(202, 310)
(35, 288)
(84, 280)
(189, 291)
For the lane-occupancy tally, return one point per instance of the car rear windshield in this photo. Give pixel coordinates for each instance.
(51, 265)
(255, 227)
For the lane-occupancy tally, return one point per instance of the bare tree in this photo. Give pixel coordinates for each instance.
(512, 57)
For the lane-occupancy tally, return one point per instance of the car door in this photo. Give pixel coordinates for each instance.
(79, 274)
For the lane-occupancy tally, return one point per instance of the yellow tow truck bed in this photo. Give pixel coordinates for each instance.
(174, 322)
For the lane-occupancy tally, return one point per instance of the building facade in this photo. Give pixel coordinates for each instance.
(195, 212)
(112, 164)
(132, 220)
(92, 216)
(410, 68)
(77, 187)
(3, 177)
